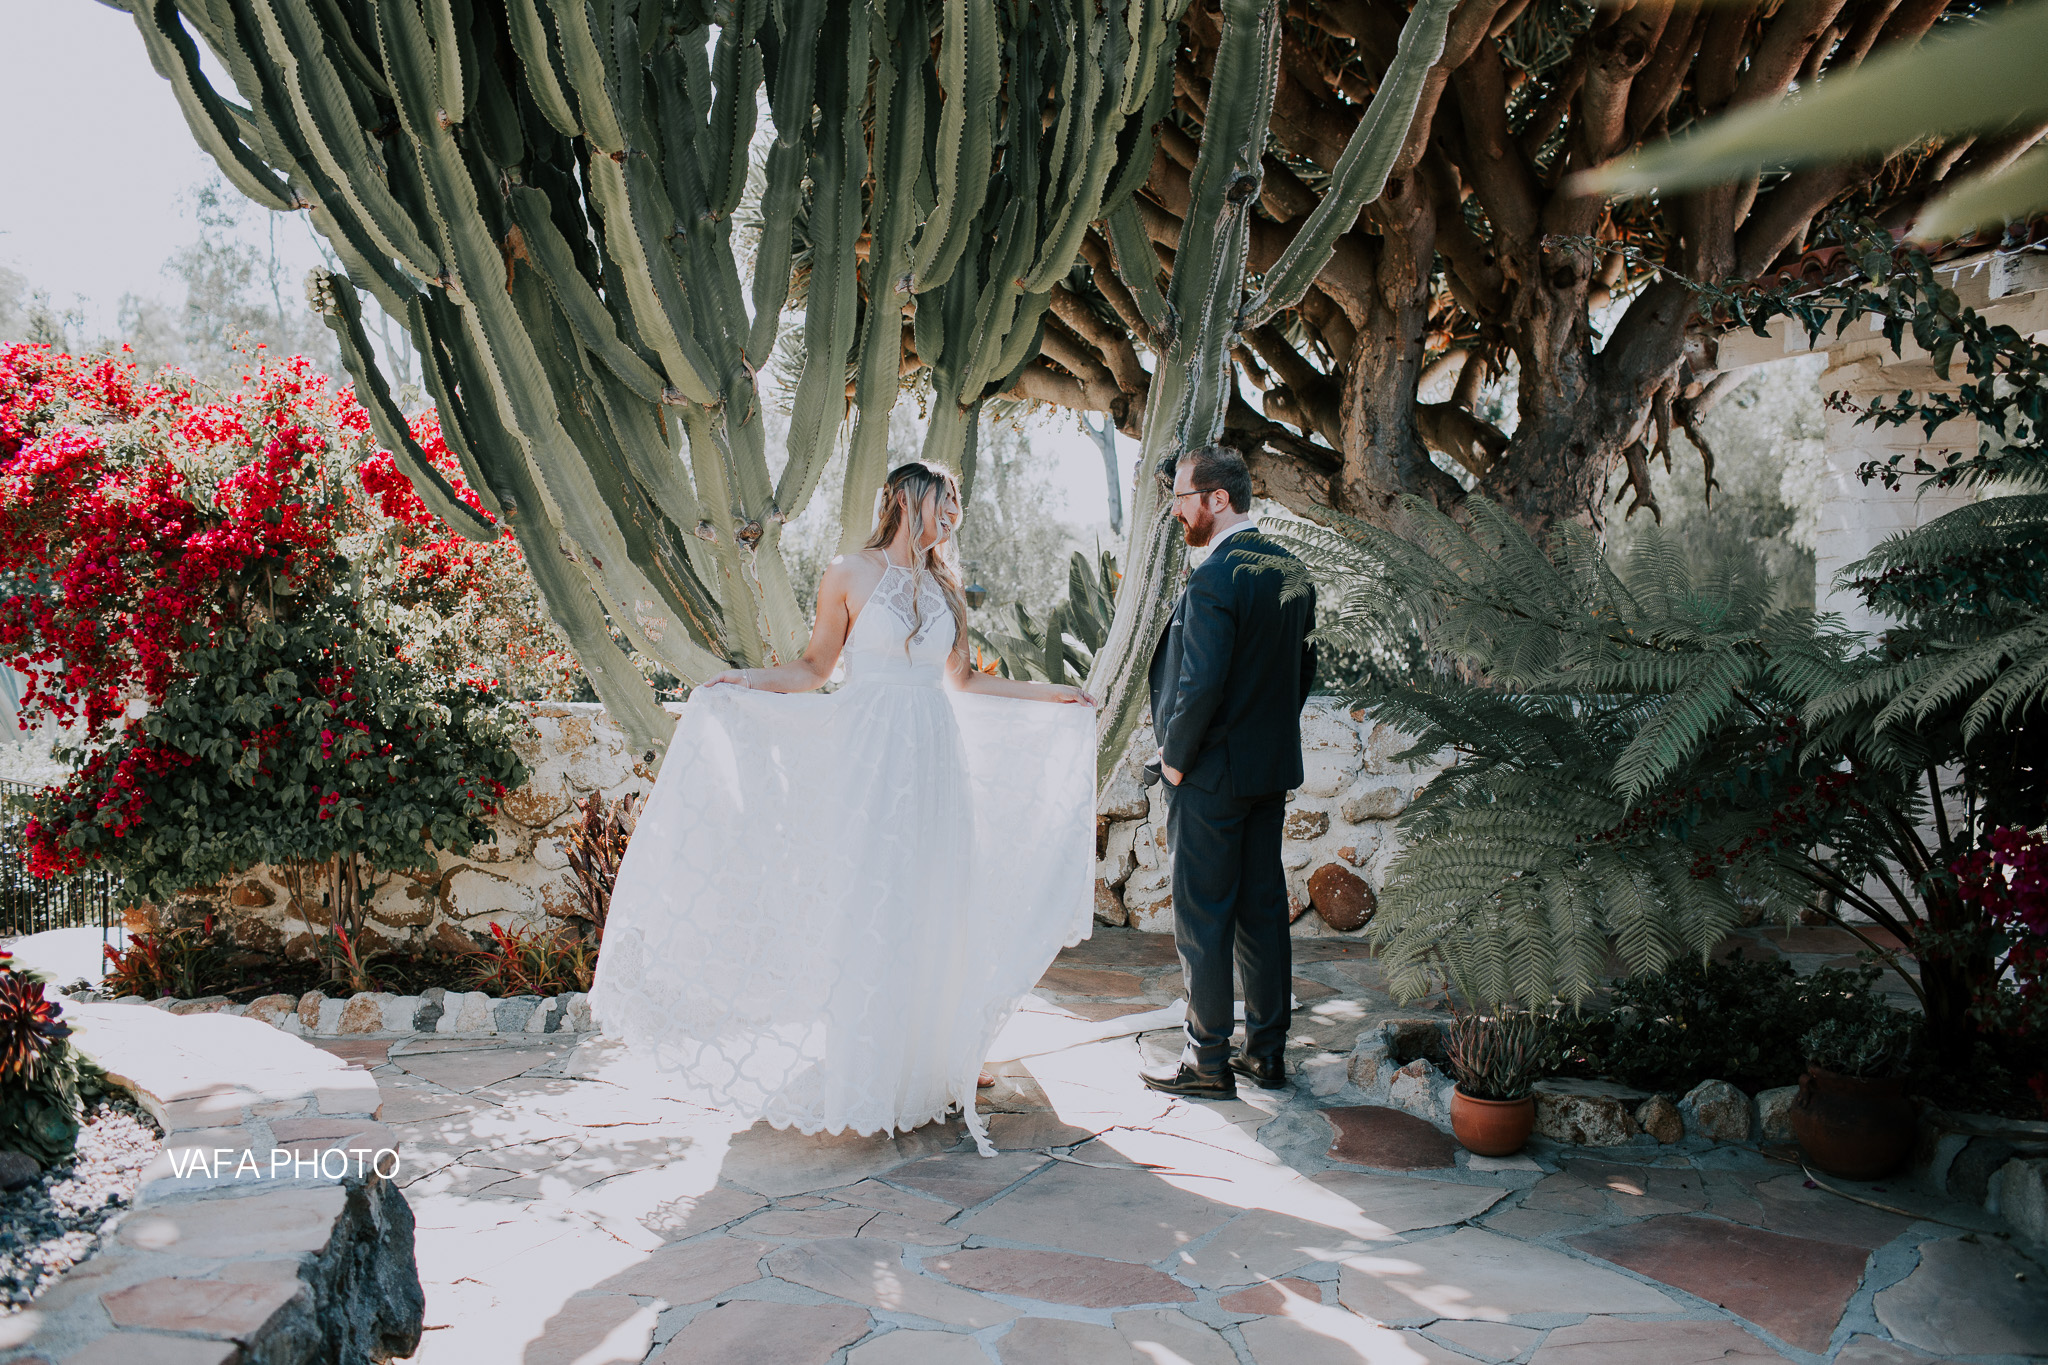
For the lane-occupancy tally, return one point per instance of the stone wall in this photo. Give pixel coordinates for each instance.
(1338, 842)
(519, 879)
(1338, 836)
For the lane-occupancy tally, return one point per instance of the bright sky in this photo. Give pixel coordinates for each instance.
(99, 169)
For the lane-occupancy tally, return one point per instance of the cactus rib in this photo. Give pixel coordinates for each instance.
(584, 309)
(969, 74)
(583, 59)
(344, 318)
(1361, 172)
(537, 61)
(176, 59)
(334, 133)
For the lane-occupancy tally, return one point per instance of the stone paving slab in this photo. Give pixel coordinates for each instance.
(873, 1272)
(1617, 1341)
(1473, 1273)
(909, 1346)
(1124, 1215)
(1969, 1296)
(1316, 1335)
(1060, 1277)
(571, 1209)
(1745, 1270)
(1263, 1245)
(1403, 1205)
(1488, 1340)
(747, 1333)
(1391, 1139)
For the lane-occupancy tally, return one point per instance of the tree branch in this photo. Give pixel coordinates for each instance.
(1787, 38)
(1095, 251)
(1039, 382)
(1719, 64)
(1309, 399)
(1075, 356)
(1493, 163)
(1119, 357)
(1619, 49)
(1784, 213)
(1473, 443)
(1660, 82)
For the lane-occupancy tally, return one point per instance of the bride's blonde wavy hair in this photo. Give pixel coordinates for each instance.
(903, 500)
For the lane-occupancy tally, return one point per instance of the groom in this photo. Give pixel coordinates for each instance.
(1229, 678)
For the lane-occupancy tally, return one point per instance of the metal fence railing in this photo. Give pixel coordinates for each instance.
(29, 905)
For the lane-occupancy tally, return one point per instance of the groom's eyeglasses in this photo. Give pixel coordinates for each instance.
(1191, 493)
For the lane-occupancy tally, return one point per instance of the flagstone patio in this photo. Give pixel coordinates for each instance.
(569, 1211)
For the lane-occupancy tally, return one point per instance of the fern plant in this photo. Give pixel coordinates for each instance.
(1643, 752)
(1646, 751)
(1615, 729)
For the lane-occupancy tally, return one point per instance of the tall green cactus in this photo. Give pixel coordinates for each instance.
(1205, 307)
(542, 192)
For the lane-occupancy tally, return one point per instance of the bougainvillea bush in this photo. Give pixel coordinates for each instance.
(263, 648)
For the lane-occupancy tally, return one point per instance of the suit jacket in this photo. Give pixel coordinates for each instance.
(1231, 673)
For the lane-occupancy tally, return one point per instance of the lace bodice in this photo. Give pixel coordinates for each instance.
(876, 648)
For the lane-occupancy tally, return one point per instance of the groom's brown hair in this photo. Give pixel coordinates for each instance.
(1212, 467)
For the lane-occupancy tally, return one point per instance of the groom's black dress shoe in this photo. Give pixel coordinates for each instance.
(1268, 1073)
(1195, 1085)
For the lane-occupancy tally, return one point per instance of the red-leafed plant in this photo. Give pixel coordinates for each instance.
(532, 962)
(29, 1025)
(184, 960)
(596, 847)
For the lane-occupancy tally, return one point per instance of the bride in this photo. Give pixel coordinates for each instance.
(832, 904)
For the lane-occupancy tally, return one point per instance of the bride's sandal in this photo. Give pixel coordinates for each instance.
(984, 1080)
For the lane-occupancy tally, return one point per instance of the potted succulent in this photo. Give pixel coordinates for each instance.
(1852, 1117)
(1494, 1059)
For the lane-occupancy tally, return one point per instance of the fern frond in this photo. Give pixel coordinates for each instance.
(1677, 731)
(1987, 527)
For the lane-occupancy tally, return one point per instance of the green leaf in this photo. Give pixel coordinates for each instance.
(1966, 77)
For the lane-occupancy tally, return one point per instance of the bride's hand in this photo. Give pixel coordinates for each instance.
(1068, 695)
(736, 676)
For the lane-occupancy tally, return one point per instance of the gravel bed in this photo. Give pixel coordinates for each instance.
(54, 1223)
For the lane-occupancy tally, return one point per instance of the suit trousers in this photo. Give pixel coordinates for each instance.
(1230, 902)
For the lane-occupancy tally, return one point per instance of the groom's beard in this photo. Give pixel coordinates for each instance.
(1197, 529)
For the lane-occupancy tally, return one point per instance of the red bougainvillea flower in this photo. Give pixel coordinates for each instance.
(2008, 880)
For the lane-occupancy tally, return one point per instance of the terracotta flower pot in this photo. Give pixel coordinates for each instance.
(1854, 1127)
(1492, 1127)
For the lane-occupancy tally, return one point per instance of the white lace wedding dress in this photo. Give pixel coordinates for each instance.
(833, 903)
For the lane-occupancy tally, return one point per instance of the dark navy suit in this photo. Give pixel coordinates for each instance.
(1228, 680)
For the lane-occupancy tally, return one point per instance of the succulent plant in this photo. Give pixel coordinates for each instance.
(29, 1025)
(1497, 1056)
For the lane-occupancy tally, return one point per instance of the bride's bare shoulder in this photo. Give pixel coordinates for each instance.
(852, 574)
